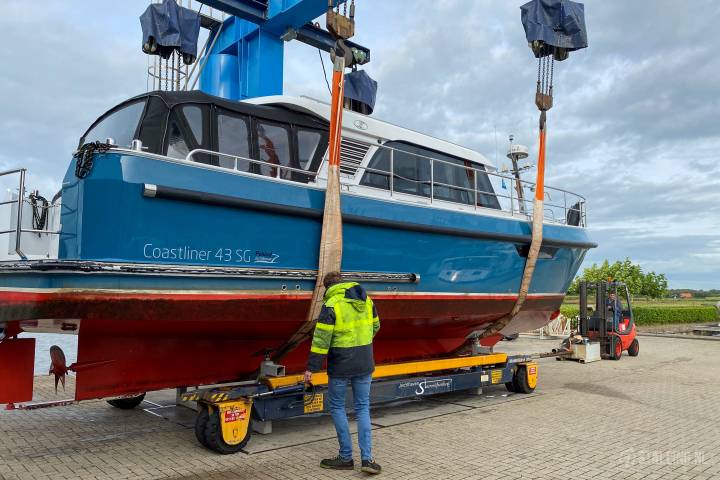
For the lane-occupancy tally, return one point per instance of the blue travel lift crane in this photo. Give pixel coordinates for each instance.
(245, 60)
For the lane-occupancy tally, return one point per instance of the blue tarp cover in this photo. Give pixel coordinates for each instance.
(360, 87)
(554, 23)
(172, 27)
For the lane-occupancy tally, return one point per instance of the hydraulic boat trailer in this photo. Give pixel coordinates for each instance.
(228, 414)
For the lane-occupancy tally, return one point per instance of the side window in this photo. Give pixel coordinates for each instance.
(454, 178)
(377, 173)
(188, 130)
(194, 115)
(486, 194)
(152, 127)
(119, 125)
(274, 148)
(454, 181)
(234, 139)
(411, 171)
(308, 142)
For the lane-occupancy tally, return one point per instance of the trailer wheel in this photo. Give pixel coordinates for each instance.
(127, 403)
(634, 348)
(520, 380)
(616, 348)
(212, 434)
(201, 422)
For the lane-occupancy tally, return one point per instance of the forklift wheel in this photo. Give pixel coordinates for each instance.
(127, 403)
(617, 348)
(211, 435)
(520, 381)
(634, 348)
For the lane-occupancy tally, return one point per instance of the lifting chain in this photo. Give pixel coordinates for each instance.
(544, 91)
(341, 26)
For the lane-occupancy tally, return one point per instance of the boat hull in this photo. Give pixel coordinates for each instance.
(141, 341)
(178, 274)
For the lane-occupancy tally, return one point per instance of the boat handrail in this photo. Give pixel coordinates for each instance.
(237, 158)
(518, 203)
(524, 205)
(18, 230)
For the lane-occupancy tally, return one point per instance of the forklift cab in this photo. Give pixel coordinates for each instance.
(600, 324)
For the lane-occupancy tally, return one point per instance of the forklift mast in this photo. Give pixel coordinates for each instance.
(597, 320)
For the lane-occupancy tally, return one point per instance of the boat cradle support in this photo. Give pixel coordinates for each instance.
(227, 415)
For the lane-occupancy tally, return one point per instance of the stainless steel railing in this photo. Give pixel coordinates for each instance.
(516, 203)
(18, 230)
(235, 158)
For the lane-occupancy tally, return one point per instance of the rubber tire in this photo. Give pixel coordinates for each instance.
(212, 435)
(201, 422)
(127, 403)
(616, 349)
(520, 379)
(634, 348)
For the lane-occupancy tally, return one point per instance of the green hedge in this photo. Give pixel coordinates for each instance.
(645, 315)
(655, 315)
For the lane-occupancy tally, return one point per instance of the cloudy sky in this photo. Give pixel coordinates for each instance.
(635, 127)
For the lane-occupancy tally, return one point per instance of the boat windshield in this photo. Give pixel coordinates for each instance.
(120, 125)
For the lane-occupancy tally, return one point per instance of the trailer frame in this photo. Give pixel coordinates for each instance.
(227, 415)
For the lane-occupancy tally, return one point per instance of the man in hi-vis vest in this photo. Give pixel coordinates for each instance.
(344, 333)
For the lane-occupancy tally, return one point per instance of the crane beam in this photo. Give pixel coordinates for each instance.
(247, 59)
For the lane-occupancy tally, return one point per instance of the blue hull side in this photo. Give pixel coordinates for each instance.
(252, 221)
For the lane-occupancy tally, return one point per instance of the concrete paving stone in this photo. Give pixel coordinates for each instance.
(634, 419)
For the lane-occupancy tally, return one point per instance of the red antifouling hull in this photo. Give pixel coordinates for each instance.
(136, 342)
(17, 358)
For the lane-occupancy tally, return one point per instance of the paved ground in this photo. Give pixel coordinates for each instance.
(656, 416)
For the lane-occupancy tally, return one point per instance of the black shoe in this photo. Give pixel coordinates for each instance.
(368, 466)
(338, 463)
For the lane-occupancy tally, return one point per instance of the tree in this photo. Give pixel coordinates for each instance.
(649, 284)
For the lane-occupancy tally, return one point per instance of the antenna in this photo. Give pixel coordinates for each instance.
(496, 145)
(516, 153)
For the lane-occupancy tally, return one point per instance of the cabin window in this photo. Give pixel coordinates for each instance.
(308, 142)
(152, 128)
(410, 165)
(454, 181)
(234, 139)
(377, 174)
(187, 131)
(454, 178)
(274, 149)
(488, 199)
(119, 125)
(412, 173)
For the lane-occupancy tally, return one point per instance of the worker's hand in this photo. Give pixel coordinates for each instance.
(308, 376)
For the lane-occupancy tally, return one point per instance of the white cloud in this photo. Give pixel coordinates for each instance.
(634, 127)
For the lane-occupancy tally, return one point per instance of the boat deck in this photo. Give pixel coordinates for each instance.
(668, 429)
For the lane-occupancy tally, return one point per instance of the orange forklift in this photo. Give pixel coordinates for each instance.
(611, 322)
